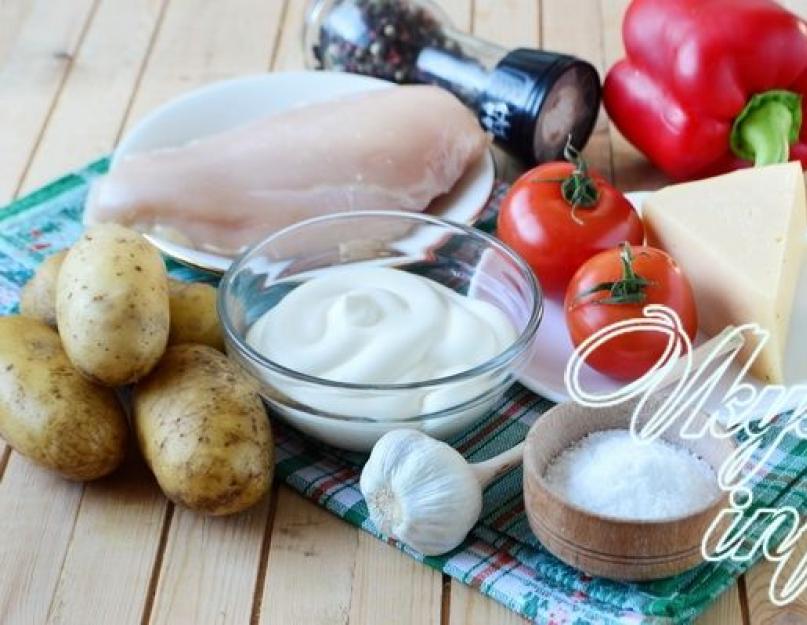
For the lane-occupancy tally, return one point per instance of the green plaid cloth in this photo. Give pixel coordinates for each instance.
(501, 557)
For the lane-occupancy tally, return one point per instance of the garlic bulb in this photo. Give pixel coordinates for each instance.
(421, 491)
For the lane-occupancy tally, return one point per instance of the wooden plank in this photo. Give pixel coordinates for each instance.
(631, 170)
(38, 41)
(34, 57)
(140, 533)
(581, 37)
(87, 117)
(109, 563)
(35, 527)
(209, 568)
(761, 610)
(319, 569)
(308, 567)
(467, 606)
(309, 572)
(391, 588)
(726, 610)
(13, 14)
(31, 77)
(459, 11)
(202, 41)
(510, 23)
(116, 529)
(314, 558)
(289, 53)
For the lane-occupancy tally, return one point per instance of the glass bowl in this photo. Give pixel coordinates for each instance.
(346, 415)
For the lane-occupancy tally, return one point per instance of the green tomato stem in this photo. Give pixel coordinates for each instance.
(579, 189)
(629, 289)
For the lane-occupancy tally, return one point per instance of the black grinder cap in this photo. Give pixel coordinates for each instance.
(535, 100)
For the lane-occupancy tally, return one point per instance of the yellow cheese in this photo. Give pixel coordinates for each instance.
(740, 240)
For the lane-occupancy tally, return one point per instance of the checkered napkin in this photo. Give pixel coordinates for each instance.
(501, 557)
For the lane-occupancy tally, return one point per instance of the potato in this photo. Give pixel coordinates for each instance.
(192, 305)
(38, 296)
(203, 431)
(112, 305)
(194, 318)
(49, 412)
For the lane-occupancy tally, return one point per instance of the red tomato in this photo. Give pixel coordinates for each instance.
(556, 231)
(655, 279)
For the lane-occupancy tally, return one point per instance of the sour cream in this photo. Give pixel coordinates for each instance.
(380, 326)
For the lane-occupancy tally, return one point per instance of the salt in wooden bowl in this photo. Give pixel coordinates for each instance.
(600, 545)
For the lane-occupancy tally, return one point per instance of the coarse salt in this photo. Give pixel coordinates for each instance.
(611, 473)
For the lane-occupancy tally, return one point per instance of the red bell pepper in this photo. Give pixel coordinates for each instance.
(709, 85)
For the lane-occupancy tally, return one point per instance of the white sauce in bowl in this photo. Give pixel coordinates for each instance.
(381, 326)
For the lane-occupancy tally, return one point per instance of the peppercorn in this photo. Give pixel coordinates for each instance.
(380, 38)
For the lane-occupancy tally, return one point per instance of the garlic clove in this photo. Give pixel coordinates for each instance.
(421, 491)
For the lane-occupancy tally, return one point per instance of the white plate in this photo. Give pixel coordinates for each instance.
(552, 349)
(226, 104)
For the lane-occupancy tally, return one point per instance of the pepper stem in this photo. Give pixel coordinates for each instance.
(765, 129)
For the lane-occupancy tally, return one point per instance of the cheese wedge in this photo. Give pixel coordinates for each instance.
(740, 240)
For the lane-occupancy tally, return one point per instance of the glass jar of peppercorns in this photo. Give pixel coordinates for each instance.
(532, 101)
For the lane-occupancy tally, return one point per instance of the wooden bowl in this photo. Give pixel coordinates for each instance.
(605, 546)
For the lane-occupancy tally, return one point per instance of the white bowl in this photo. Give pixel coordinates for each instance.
(346, 414)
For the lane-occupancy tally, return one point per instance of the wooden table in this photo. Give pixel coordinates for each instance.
(74, 75)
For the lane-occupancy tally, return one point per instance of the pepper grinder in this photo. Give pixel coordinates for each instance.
(532, 101)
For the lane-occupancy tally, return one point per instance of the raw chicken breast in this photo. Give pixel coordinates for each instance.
(396, 148)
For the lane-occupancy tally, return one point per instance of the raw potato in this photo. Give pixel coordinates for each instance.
(194, 318)
(112, 305)
(49, 412)
(193, 315)
(203, 431)
(38, 296)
